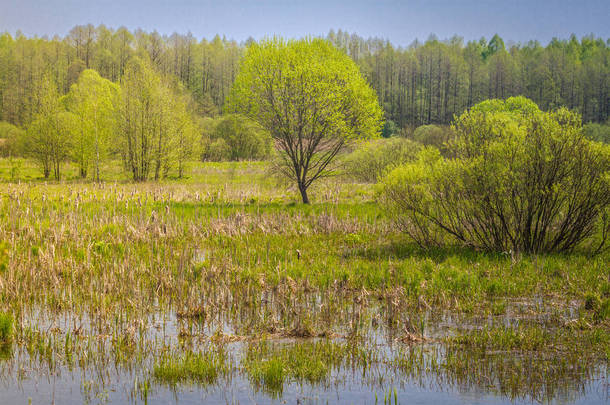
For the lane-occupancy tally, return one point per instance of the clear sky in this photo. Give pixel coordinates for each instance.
(399, 21)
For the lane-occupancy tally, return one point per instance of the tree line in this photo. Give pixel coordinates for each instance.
(424, 83)
(430, 82)
(205, 68)
(147, 121)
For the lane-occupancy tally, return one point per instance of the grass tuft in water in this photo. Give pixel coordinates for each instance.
(200, 368)
(269, 373)
(269, 366)
(6, 328)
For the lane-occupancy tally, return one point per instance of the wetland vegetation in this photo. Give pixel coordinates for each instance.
(222, 287)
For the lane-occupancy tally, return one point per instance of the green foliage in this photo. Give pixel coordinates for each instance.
(424, 84)
(6, 328)
(182, 126)
(156, 128)
(373, 158)
(431, 82)
(311, 98)
(201, 368)
(50, 136)
(495, 45)
(389, 129)
(218, 151)
(49, 140)
(9, 138)
(141, 101)
(522, 180)
(598, 132)
(235, 137)
(434, 135)
(94, 101)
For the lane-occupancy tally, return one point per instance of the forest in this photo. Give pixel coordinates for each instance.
(424, 83)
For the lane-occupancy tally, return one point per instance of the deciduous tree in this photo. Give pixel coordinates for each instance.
(312, 99)
(93, 100)
(49, 137)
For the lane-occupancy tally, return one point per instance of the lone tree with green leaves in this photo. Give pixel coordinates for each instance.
(313, 100)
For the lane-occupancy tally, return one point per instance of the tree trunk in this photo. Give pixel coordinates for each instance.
(303, 191)
(97, 162)
(56, 170)
(97, 149)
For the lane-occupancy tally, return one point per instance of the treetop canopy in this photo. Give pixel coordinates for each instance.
(285, 84)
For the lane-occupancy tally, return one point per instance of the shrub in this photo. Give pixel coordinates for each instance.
(374, 158)
(218, 151)
(520, 180)
(433, 135)
(235, 137)
(389, 129)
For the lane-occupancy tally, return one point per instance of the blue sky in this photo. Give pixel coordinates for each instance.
(399, 21)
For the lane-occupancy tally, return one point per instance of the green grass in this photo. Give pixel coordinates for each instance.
(201, 368)
(271, 374)
(535, 339)
(270, 366)
(6, 328)
(259, 237)
(604, 309)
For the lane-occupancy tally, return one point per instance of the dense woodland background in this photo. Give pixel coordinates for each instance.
(424, 83)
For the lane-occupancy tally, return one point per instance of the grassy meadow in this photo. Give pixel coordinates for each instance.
(146, 290)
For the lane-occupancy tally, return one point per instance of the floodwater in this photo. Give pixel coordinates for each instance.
(73, 360)
(117, 387)
(71, 388)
